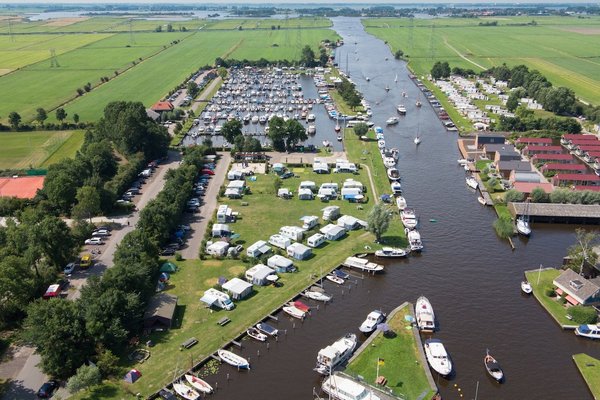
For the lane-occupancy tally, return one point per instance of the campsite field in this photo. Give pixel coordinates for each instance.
(26, 70)
(565, 49)
(22, 150)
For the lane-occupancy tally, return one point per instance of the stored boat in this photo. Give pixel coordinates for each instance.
(185, 391)
(389, 162)
(409, 218)
(526, 287)
(340, 388)
(341, 274)
(266, 328)
(255, 334)
(393, 174)
(471, 182)
(362, 264)
(414, 239)
(392, 121)
(294, 312)
(373, 319)
(481, 200)
(335, 354)
(233, 359)
(300, 306)
(437, 357)
(401, 109)
(391, 252)
(312, 129)
(400, 203)
(492, 367)
(588, 331)
(198, 383)
(318, 296)
(335, 279)
(424, 315)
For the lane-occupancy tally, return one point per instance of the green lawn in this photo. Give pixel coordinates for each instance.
(565, 49)
(21, 150)
(557, 310)
(590, 370)
(402, 363)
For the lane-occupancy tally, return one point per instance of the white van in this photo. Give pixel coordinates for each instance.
(214, 298)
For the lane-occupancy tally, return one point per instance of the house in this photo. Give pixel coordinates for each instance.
(217, 249)
(305, 194)
(526, 141)
(533, 149)
(284, 193)
(160, 310)
(299, 251)
(483, 139)
(564, 168)
(293, 232)
(225, 214)
(310, 185)
(221, 230)
(531, 177)
(280, 241)
(504, 168)
(331, 213)
(553, 158)
(281, 263)
(577, 289)
(576, 180)
(527, 187)
(506, 155)
(309, 222)
(332, 232)
(162, 107)
(258, 274)
(315, 240)
(237, 288)
(258, 249)
(348, 222)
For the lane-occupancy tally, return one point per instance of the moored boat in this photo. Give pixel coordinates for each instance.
(341, 274)
(233, 359)
(185, 391)
(523, 226)
(391, 252)
(373, 319)
(294, 312)
(588, 331)
(317, 296)
(341, 388)
(392, 121)
(335, 279)
(266, 328)
(424, 315)
(471, 182)
(400, 203)
(326, 143)
(493, 367)
(335, 354)
(389, 162)
(255, 334)
(401, 109)
(417, 140)
(437, 357)
(526, 287)
(393, 174)
(409, 218)
(481, 200)
(396, 187)
(414, 239)
(362, 264)
(301, 306)
(198, 383)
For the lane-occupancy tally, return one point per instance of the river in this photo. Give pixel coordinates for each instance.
(470, 276)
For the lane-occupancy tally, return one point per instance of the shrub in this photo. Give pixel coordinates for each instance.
(178, 256)
(504, 227)
(549, 291)
(583, 314)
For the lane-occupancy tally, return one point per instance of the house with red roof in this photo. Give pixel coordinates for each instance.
(555, 158)
(571, 179)
(534, 149)
(534, 141)
(564, 168)
(162, 106)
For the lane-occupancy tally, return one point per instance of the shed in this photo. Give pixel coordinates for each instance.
(293, 232)
(348, 222)
(332, 232)
(237, 288)
(221, 230)
(160, 310)
(299, 251)
(315, 240)
(280, 241)
(281, 264)
(309, 221)
(217, 248)
(305, 194)
(258, 249)
(258, 274)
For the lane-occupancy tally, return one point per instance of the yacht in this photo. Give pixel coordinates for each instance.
(409, 218)
(424, 315)
(588, 331)
(401, 109)
(414, 239)
(437, 357)
(392, 121)
(341, 388)
(471, 182)
(391, 252)
(335, 354)
(401, 203)
(373, 319)
(393, 174)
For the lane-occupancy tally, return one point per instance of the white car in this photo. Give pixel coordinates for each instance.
(94, 240)
(101, 232)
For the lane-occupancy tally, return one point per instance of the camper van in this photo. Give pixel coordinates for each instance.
(214, 298)
(315, 240)
(345, 167)
(293, 232)
(280, 241)
(331, 213)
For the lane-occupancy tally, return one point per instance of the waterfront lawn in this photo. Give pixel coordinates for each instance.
(556, 310)
(402, 363)
(21, 150)
(589, 368)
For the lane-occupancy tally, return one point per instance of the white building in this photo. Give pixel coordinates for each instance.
(258, 249)
(333, 232)
(299, 251)
(280, 241)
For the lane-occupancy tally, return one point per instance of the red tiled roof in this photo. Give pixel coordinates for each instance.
(577, 177)
(588, 147)
(544, 148)
(591, 188)
(570, 136)
(162, 106)
(561, 156)
(564, 167)
(527, 187)
(591, 140)
(533, 140)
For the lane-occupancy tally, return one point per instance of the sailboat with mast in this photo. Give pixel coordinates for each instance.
(396, 79)
(418, 102)
(417, 139)
(523, 221)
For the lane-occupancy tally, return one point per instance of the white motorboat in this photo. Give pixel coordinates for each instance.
(417, 140)
(318, 296)
(400, 203)
(294, 312)
(409, 218)
(312, 129)
(185, 391)
(255, 334)
(311, 117)
(401, 109)
(437, 357)
(373, 319)
(392, 121)
(198, 383)
(267, 329)
(335, 279)
(381, 144)
(523, 226)
(462, 161)
(414, 239)
(233, 359)
(424, 315)
(393, 174)
(362, 264)
(471, 182)
(391, 252)
(389, 162)
(335, 354)
(526, 287)
(481, 200)
(588, 331)
(341, 388)
(396, 187)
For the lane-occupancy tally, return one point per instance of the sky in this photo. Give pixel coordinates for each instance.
(284, 2)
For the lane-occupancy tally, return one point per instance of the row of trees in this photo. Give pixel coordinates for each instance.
(525, 120)
(348, 91)
(15, 119)
(558, 196)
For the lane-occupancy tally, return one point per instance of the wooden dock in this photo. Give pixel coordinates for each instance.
(484, 193)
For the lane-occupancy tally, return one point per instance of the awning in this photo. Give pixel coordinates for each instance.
(209, 299)
(571, 300)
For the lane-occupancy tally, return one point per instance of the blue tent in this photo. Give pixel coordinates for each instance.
(132, 376)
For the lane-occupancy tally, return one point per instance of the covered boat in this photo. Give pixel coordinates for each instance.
(255, 334)
(335, 354)
(233, 359)
(437, 357)
(267, 329)
(341, 388)
(198, 383)
(393, 174)
(362, 264)
(391, 252)
(588, 331)
(373, 319)
(424, 315)
(185, 391)
(293, 311)
(493, 367)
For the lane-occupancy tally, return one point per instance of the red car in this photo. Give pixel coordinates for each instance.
(207, 172)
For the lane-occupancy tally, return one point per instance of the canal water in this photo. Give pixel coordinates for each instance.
(470, 276)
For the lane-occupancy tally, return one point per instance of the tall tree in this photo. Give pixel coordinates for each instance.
(61, 114)
(88, 203)
(277, 133)
(361, 129)
(307, 57)
(582, 253)
(231, 130)
(378, 220)
(86, 377)
(17, 285)
(41, 116)
(295, 133)
(14, 119)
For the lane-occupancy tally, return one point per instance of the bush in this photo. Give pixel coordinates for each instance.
(549, 291)
(514, 196)
(504, 227)
(178, 256)
(85, 377)
(583, 314)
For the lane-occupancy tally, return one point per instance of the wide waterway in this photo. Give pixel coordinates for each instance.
(470, 276)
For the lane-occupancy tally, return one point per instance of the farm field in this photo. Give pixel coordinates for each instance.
(22, 150)
(566, 50)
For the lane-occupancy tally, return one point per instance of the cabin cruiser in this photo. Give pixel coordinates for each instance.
(588, 331)
(373, 319)
(414, 239)
(471, 182)
(335, 354)
(409, 218)
(391, 252)
(389, 162)
(392, 121)
(341, 388)
(437, 357)
(401, 109)
(523, 226)
(400, 203)
(396, 187)
(424, 315)
(393, 174)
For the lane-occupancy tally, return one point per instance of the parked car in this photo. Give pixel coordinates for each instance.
(184, 227)
(95, 240)
(287, 174)
(104, 228)
(166, 394)
(168, 251)
(101, 232)
(47, 389)
(69, 269)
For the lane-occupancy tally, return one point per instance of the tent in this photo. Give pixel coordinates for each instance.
(168, 267)
(132, 376)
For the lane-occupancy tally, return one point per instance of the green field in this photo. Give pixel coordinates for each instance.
(22, 150)
(565, 49)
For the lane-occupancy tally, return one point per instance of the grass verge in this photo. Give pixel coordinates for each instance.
(589, 367)
(540, 281)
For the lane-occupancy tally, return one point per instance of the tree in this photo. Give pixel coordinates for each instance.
(86, 376)
(514, 196)
(231, 130)
(17, 285)
(14, 119)
(504, 227)
(538, 195)
(307, 57)
(61, 114)
(582, 253)
(378, 220)
(88, 203)
(440, 70)
(277, 133)
(108, 363)
(514, 99)
(169, 28)
(361, 129)
(398, 54)
(295, 133)
(192, 89)
(560, 100)
(41, 116)
(222, 71)
(158, 28)
(76, 118)
(583, 314)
